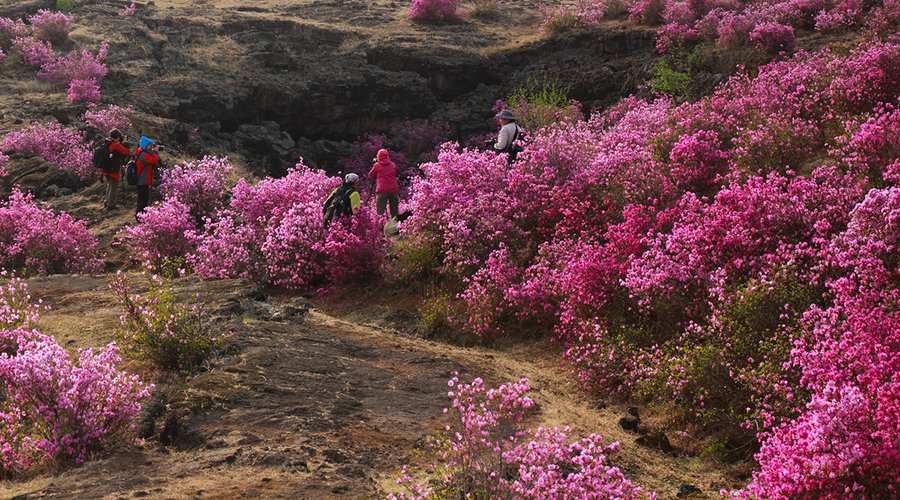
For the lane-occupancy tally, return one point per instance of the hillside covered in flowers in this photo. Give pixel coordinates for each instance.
(730, 261)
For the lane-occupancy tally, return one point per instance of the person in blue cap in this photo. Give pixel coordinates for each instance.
(147, 160)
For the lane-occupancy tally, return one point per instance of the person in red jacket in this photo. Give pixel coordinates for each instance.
(118, 151)
(386, 190)
(147, 159)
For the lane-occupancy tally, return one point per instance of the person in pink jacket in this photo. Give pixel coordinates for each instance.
(386, 190)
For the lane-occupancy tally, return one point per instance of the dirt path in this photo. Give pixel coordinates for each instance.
(308, 406)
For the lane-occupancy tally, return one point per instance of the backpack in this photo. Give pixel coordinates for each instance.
(131, 173)
(103, 159)
(339, 204)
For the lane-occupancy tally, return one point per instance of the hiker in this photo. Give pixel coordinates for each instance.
(509, 133)
(343, 200)
(147, 159)
(111, 169)
(384, 171)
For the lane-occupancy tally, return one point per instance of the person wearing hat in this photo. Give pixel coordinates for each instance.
(509, 133)
(384, 171)
(147, 159)
(344, 200)
(118, 152)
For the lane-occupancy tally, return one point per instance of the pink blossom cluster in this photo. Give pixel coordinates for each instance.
(10, 30)
(57, 409)
(35, 239)
(271, 232)
(3, 159)
(486, 455)
(50, 26)
(53, 142)
(735, 257)
(437, 11)
(107, 117)
(198, 184)
(769, 25)
(127, 11)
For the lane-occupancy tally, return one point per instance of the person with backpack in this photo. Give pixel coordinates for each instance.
(109, 158)
(146, 161)
(384, 171)
(343, 201)
(509, 133)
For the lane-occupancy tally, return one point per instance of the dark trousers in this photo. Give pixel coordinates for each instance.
(143, 193)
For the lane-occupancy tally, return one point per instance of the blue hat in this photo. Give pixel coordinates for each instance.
(506, 115)
(145, 142)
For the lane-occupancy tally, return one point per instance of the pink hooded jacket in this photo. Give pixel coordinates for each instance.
(385, 174)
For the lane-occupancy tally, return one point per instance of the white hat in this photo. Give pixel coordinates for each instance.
(351, 178)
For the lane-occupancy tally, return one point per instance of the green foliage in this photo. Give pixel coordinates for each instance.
(435, 313)
(542, 103)
(669, 81)
(157, 327)
(484, 9)
(65, 5)
(714, 373)
(561, 21)
(414, 261)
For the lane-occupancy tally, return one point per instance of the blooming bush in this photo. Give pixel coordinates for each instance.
(108, 117)
(54, 143)
(57, 409)
(200, 185)
(437, 11)
(487, 456)
(10, 30)
(159, 328)
(3, 159)
(34, 239)
(50, 26)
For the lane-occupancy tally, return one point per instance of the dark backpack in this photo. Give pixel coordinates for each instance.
(131, 173)
(103, 159)
(339, 204)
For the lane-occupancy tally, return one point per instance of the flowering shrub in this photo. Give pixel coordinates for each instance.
(581, 14)
(3, 159)
(50, 26)
(487, 456)
(107, 118)
(83, 91)
(541, 104)
(61, 410)
(272, 232)
(159, 328)
(34, 239)
(54, 143)
(127, 11)
(437, 11)
(77, 65)
(17, 311)
(34, 52)
(56, 409)
(10, 30)
(165, 233)
(198, 184)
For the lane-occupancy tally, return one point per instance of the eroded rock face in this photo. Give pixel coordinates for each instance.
(272, 82)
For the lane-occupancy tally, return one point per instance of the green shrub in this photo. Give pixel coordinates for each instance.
(435, 313)
(484, 9)
(669, 81)
(413, 261)
(542, 103)
(158, 328)
(65, 5)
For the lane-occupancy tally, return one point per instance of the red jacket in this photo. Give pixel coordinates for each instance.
(385, 174)
(146, 163)
(122, 153)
